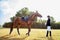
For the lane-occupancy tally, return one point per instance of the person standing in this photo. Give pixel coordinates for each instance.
(48, 25)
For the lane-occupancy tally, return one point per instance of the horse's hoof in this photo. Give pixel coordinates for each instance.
(9, 33)
(27, 34)
(19, 34)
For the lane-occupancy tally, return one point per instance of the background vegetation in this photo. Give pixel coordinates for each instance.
(37, 23)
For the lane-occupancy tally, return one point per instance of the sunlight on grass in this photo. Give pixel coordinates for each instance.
(35, 34)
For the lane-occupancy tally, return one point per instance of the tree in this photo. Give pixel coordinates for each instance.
(8, 25)
(52, 20)
(18, 14)
(0, 25)
(23, 12)
(12, 19)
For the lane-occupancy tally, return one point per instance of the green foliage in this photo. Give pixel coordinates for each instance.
(12, 18)
(0, 26)
(52, 20)
(7, 25)
(36, 25)
(23, 12)
(40, 24)
(57, 25)
(18, 14)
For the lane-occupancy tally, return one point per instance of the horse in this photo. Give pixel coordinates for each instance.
(18, 22)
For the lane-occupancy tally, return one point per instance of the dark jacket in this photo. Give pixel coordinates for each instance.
(48, 23)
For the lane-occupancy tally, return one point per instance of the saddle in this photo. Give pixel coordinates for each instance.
(24, 19)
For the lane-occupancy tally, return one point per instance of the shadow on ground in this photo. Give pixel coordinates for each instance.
(12, 37)
(8, 37)
(50, 38)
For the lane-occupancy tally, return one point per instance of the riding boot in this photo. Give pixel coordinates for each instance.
(50, 33)
(47, 34)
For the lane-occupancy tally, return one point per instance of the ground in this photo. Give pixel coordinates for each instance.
(35, 34)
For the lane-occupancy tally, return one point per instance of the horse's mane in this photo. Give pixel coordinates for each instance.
(29, 17)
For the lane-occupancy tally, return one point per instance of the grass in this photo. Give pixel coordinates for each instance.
(35, 34)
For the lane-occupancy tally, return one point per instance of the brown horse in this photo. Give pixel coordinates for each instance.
(18, 22)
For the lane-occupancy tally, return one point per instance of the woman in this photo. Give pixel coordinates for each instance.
(48, 26)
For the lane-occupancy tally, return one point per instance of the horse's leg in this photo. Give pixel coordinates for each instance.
(18, 29)
(11, 29)
(29, 29)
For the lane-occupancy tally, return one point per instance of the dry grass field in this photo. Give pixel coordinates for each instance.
(35, 34)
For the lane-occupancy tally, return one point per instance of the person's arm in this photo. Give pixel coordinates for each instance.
(46, 24)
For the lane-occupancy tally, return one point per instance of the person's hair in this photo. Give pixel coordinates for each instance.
(48, 16)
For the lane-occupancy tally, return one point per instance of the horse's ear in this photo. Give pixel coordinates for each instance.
(36, 11)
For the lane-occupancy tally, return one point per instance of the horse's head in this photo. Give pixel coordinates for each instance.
(37, 14)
